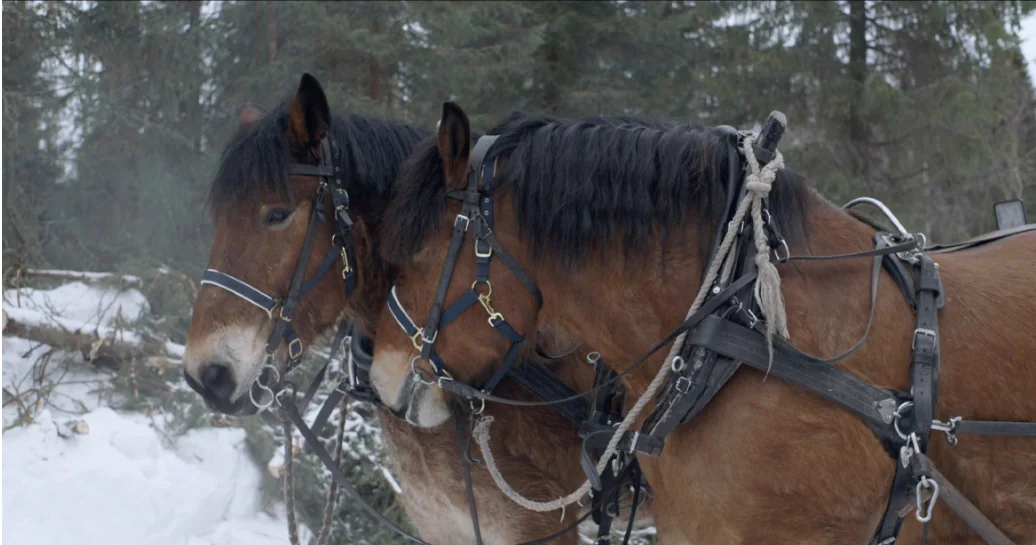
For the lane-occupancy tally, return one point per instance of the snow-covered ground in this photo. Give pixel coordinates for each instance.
(82, 473)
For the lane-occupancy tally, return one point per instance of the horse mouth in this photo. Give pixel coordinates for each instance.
(243, 406)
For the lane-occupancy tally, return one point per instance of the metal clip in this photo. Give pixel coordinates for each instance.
(949, 428)
(924, 515)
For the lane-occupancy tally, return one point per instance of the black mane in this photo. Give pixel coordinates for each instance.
(591, 184)
(257, 158)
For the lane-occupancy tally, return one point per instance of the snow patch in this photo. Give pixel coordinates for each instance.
(122, 483)
(91, 305)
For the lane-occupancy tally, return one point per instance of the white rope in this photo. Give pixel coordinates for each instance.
(768, 292)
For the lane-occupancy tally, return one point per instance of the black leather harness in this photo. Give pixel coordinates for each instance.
(727, 332)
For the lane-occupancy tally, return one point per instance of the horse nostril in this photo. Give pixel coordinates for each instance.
(218, 381)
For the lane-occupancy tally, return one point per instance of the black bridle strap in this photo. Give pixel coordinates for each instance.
(465, 465)
(282, 322)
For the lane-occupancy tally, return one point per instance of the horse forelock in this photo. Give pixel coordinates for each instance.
(258, 156)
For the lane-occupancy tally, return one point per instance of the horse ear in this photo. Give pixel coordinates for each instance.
(310, 114)
(454, 144)
(250, 115)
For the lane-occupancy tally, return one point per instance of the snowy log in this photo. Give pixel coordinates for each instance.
(83, 276)
(101, 351)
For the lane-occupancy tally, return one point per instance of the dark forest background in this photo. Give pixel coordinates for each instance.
(115, 113)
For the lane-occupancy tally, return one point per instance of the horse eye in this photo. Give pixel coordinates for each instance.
(276, 216)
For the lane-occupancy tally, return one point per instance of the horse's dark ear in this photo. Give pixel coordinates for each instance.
(454, 144)
(310, 114)
(250, 115)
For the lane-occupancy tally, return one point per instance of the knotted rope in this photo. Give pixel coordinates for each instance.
(767, 291)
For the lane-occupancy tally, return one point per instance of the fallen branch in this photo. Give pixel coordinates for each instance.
(124, 279)
(101, 351)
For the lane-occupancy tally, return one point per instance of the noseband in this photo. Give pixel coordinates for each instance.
(281, 309)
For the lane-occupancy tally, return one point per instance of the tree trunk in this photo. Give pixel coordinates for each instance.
(857, 69)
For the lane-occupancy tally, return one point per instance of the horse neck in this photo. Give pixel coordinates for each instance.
(827, 302)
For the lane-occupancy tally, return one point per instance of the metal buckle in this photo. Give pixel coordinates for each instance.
(467, 221)
(919, 332)
(483, 254)
(683, 385)
(283, 317)
(419, 334)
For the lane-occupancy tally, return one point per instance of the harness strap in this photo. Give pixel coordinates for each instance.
(873, 405)
(990, 427)
(540, 380)
(923, 467)
(465, 465)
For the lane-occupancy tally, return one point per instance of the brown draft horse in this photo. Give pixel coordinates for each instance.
(260, 216)
(609, 219)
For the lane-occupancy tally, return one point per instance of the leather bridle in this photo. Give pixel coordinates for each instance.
(281, 309)
(476, 215)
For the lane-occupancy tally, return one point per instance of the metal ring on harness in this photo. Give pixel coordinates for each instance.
(418, 373)
(899, 414)
(264, 387)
